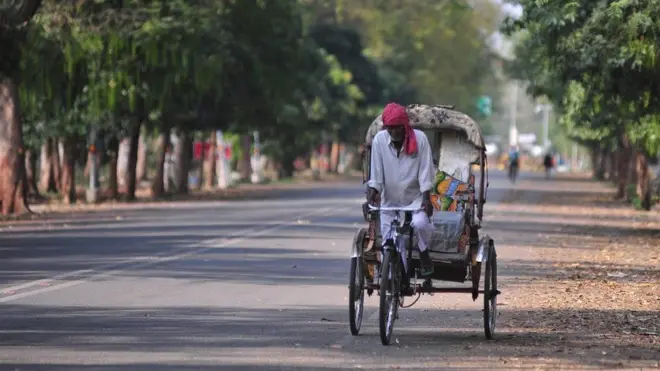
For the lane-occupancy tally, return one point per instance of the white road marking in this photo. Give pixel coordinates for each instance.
(106, 270)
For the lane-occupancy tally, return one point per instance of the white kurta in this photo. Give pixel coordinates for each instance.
(401, 179)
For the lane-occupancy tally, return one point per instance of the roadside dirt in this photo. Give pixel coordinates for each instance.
(54, 208)
(588, 293)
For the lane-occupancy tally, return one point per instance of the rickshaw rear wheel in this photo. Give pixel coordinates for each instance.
(356, 283)
(356, 295)
(490, 293)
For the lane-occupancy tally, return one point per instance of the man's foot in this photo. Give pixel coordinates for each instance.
(426, 263)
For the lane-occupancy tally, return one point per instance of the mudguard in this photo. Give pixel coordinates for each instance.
(358, 242)
(485, 245)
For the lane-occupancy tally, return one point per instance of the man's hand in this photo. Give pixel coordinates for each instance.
(372, 196)
(427, 205)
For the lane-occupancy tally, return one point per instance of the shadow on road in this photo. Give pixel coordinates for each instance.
(231, 335)
(227, 332)
(41, 255)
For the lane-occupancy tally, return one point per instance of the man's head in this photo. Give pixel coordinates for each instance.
(395, 120)
(397, 124)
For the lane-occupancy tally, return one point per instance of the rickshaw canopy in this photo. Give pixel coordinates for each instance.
(435, 118)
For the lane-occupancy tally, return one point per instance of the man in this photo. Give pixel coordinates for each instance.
(548, 163)
(402, 176)
(514, 156)
(514, 162)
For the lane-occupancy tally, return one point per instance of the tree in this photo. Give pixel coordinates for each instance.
(433, 52)
(595, 60)
(13, 183)
(119, 66)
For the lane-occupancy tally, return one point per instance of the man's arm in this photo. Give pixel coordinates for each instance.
(376, 178)
(425, 175)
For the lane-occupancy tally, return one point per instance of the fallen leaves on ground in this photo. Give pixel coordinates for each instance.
(593, 289)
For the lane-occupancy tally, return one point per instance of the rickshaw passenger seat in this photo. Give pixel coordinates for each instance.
(456, 156)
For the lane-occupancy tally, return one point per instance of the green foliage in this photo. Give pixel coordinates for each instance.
(597, 62)
(432, 52)
(274, 66)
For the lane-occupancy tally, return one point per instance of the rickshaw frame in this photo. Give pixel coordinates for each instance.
(453, 267)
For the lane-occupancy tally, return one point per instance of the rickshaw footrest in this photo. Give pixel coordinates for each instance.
(439, 290)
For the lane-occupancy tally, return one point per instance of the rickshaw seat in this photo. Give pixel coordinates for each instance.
(456, 155)
(455, 159)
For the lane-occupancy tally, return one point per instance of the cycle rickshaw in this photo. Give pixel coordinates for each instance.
(456, 249)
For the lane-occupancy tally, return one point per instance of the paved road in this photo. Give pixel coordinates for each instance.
(249, 285)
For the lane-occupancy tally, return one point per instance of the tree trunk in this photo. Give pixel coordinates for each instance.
(56, 184)
(88, 166)
(13, 180)
(614, 165)
(68, 170)
(47, 181)
(45, 170)
(130, 176)
(31, 172)
(600, 164)
(643, 181)
(286, 170)
(158, 184)
(93, 165)
(287, 164)
(209, 163)
(594, 160)
(182, 155)
(334, 157)
(274, 168)
(122, 162)
(623, 164)
(143, 152)
(113, 154)
(631, 178)
(245, 167)
(605, 158)
(199, 170)
(60, 154)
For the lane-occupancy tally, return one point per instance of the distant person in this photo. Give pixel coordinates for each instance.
(514, 163)
(548, 163)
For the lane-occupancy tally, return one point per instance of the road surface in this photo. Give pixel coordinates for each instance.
(246, 285)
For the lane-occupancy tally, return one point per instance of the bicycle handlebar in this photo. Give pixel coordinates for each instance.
(378, 208)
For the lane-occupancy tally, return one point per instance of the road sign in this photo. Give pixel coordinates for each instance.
(485, 105)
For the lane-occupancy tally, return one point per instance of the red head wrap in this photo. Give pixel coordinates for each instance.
(395, 114)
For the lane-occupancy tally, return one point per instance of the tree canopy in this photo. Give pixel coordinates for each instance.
(597, 62)
(299, 72)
